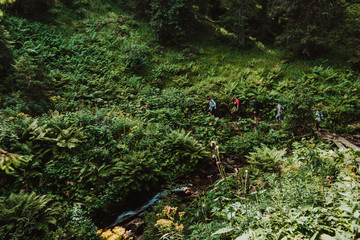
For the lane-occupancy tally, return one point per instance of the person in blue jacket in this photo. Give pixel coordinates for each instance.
(279, 115)
(212, 106)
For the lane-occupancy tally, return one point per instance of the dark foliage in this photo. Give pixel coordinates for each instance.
(307, 25)
(171, 20)
(299, 114)
(33, 9)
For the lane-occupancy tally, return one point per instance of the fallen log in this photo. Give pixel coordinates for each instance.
(339, 145)
(348, 144)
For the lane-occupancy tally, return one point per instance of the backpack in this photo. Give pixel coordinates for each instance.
(212, 102)
(216, 104)
(325, 113)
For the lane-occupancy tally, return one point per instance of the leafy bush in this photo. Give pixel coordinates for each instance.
(248, 205)
(9, 161)
(27, 216)
(9, 164)
(79, 224)
(317, 158)
(5, 54)
(137, 171)
(137, 56)
(266, 159)
(334, 92)
(166, 116)
(185, 151)
(243, 144)
(35, 9)
(299, 112)
(171, 19)
(32, 80)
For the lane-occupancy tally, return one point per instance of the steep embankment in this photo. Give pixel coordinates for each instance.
(96, 114)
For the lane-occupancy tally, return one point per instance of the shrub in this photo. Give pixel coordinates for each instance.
(79, 224)
(136, 172)
(299, 114)
(171, 19)
(185, 152)
(242, 145)
(35, 9)
(266, 159)
(166, 116)
(136, 58)
(27, 216)
(32, 80)
(9, 163)
(5, 55)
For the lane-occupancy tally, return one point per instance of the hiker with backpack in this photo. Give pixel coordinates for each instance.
(318, 119)
(279, 108)
(236, 105)
(212, 106)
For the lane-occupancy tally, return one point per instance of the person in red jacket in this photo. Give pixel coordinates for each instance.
(236, 104)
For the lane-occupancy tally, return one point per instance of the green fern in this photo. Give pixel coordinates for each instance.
(27, 216)
(137, 171)
(9, 161)
(187, 149)
(266, 159)
(87, 171)
(65, 138)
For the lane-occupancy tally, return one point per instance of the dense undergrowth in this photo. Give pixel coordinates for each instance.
(310, 194)
(94, 111)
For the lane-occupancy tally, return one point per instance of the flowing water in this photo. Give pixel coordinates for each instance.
(155, 200)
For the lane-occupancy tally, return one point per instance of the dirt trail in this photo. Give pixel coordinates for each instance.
(341, 142)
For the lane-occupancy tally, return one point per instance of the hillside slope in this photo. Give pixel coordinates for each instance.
(97, 115)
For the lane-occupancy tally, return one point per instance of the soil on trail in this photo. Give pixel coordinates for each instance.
(342, 142)
(207, 174)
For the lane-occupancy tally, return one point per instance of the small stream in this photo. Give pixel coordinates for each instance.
(153, 201)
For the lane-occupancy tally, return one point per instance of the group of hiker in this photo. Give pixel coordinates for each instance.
(279, 116)
(279, 108)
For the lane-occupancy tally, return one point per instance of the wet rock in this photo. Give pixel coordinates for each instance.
(136, 226)
(228, 166)
(197, 179)
(230, 161)
(130, 234)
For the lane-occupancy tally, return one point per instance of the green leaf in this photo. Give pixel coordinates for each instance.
(314, 236)
(345, 207)
(327, 237)
(245, 236)
(223, 230)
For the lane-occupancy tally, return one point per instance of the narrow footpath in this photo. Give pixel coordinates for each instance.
(341, 142)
